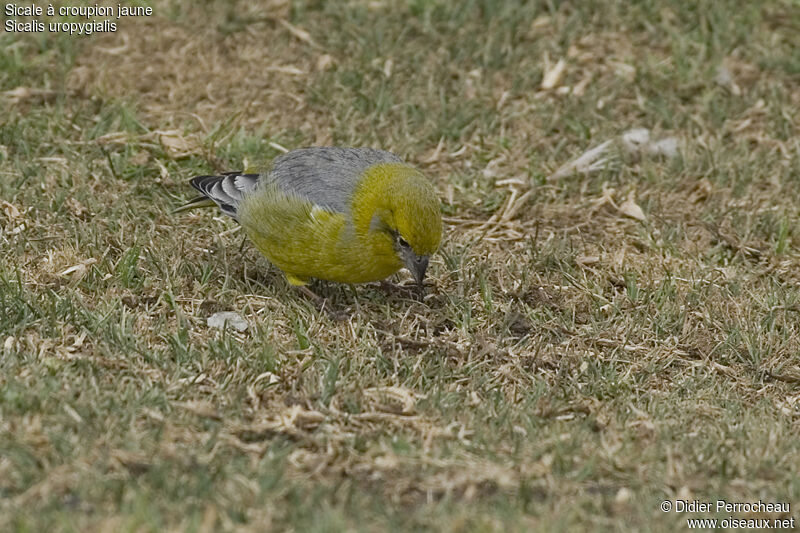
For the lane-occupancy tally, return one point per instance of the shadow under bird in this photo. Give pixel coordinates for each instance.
(350, 215)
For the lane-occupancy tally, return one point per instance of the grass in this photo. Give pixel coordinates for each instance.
(573, 366)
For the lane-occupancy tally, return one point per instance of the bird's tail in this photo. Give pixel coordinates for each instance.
(225, 190)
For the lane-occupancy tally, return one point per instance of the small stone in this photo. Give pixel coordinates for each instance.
(234, 320)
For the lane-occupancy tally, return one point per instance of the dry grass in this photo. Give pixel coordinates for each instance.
(595, 341)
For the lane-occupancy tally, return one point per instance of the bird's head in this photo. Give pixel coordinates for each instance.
(408, 213)
(418, 230)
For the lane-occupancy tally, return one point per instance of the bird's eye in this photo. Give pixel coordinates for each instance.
(402, 242)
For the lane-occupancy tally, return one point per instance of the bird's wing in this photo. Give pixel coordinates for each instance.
(325, 176)
(226, 190)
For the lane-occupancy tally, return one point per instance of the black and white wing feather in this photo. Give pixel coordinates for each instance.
(225, 190)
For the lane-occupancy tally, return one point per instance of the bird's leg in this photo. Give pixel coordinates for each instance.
(417, 290)
(311, 295)
(322, 304)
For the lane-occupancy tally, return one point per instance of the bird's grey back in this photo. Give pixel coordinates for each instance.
(326, 176)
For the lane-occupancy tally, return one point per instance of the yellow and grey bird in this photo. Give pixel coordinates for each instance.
(350, 215)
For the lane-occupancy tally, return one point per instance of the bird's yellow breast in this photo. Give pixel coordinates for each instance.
(306, 241)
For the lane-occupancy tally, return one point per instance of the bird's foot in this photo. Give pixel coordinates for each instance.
(323, 304)
(415, 291)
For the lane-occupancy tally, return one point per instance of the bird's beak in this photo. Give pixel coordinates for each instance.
(417, 265)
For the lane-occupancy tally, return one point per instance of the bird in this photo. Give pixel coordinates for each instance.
(347, 215)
